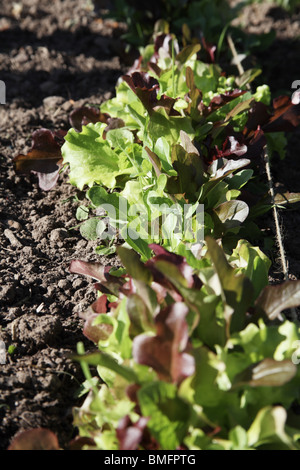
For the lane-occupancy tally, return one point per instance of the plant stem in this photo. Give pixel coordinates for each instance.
(85, 367)
(236, 57)
(279, 237)
(173, 70)
(284, 263)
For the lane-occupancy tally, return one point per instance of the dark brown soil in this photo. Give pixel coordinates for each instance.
(55, 56)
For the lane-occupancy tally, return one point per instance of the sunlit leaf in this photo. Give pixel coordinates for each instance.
(91, 158)
(275, 299)
(232, 213)
(286, 198)
(268, 373)
(237, 289)
(268, 427)
(165, 352)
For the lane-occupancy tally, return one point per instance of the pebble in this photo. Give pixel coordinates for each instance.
(108, 95)
(81, 244)
(78, 283)
(7, 293)
(67, 106)
(14, 224)
(23, 377)
(37, 234)
(22, 57)
(14, 312)
(12, 238)
(64, 284)
(27, 251)
(58, 234)
(52, 102)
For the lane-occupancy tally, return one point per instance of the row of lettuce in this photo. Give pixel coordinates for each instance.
(192, 348)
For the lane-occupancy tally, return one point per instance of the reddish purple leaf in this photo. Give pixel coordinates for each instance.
(164, 41)
(275, 299)
(258, 115)
(47, 181)
(231, 146)
(98, 332)
(166, 352)
(236, 145)
(146, 88)
(99, 306)
(219, 101)
(183, 268)
(130, 434)
(154, 67)
(44, 159)
(159, 250)
(84, 115)
(35, 439)
(156, 162)
(284, 117)
(161, 292)
(94, 270)
(210, 50)
(132, 393)
(141, 80)
(107, 284)
(113, 123)
(256, 144)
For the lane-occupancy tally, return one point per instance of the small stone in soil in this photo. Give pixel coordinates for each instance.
(14, 224)
(58, 234)
(64, 284)
(7, 293)
(12, 238)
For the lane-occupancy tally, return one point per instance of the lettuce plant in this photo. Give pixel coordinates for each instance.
(190, 358)
(204, 17)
